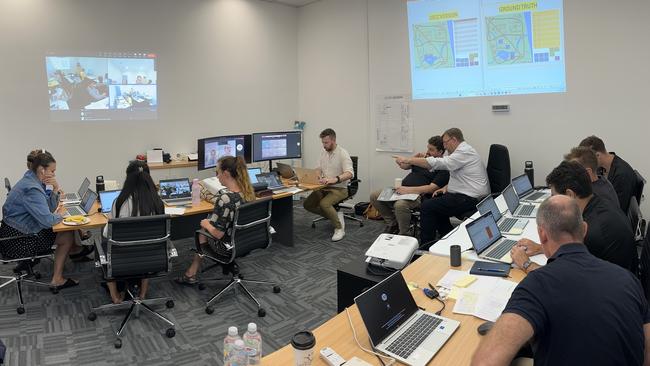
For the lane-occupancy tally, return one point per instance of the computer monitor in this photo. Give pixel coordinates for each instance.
(210, 149)
(277, 145)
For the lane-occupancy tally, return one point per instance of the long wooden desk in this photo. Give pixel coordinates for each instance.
(336, 332)
(184, 226)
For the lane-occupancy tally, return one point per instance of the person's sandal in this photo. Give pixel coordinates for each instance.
(187, 281)
(83, 253)
(68, 283)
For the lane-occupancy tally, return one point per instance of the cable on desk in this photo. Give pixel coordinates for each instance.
(354, 332)
(439, 312)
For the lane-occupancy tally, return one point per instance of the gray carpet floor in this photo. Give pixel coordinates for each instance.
(55, 329)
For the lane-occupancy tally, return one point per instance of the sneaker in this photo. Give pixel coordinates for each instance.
(341, 220)
(338, 234)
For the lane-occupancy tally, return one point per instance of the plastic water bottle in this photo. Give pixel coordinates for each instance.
(237, 355)
(228, 344)
(196, 192)
(253, 344)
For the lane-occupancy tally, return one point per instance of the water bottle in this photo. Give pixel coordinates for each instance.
(228, 344)
(196, 192)
(253, 344)
(237, 356)
(530, 172)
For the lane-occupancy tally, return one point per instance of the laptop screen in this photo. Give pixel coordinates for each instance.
(483, 232)
(175, 188)
(488, 205)
(87, 202)
(522, 185)
(84, 187)
(271, 179)
(252, 174)
(386, 306)
(511, 198)
(106, 199)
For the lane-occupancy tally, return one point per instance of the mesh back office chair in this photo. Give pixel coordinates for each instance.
(23, 273)
(137, 248)
(634, 210)
(250, 231)
(353, 187)
(644, 266)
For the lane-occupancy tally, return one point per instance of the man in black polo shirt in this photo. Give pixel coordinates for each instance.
(599, 183)
(609, 236)
(576, 310)
(618, 171)
(397, 214)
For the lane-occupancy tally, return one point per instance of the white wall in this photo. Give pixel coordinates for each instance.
(607, 77)
(224, 66)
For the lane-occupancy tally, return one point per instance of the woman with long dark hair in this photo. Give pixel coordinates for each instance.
(232, 174)
(138, 197)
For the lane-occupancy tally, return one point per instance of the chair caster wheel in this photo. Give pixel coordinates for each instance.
(170, 333)
(209, 310)
(276, 289)
(361, 224)
(201, 286)
(313, 225)
(37, 275)
(92, 317)
(261, 313)
(20, 310)
(169, 304)
(118, 343)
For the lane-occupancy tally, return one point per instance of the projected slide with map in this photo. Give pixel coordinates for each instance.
(468, 48)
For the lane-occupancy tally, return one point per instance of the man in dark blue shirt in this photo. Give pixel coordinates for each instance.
(576, 310)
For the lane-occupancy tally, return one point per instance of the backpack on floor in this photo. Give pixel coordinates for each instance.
(371, 213)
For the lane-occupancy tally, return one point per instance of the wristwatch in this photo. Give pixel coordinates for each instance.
(526, 264)
(338, 179)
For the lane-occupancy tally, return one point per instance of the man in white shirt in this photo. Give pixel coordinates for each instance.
(468, 183)
(335, 166)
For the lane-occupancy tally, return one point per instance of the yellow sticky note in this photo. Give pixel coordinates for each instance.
(465, 281)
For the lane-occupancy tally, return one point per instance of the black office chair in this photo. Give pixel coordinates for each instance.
(23, 273)
(644, 267)
(353, 187)
(7, 185)
(250, 231)
(638, 188)
(498, 169)
(136, 248)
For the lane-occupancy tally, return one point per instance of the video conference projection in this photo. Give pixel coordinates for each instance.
(470, 48)
(103, 86)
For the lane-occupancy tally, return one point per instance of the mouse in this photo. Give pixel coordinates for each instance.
(484, 328)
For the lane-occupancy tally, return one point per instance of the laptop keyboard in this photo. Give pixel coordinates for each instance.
(526, 210)
(535, 196)
(501, 249)
(69, 197)
(75, 211)
(406, 343)
(507, 224)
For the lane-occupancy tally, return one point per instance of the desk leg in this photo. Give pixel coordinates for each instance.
(282, 220)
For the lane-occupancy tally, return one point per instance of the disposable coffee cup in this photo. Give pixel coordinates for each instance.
(398, 182)
(303, 348)
(454, 255)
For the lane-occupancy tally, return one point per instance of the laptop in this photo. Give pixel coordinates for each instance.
(271, 179)
(252, 174)
(525, 190)
(507, 225)
(176, 192)
(397, 327)
(106, 199)
(516, 209)
(308, 176)
(286, 171)
(75, 197)
(83, 208)
(487, 239)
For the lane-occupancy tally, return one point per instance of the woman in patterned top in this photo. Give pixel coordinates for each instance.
(232, 174)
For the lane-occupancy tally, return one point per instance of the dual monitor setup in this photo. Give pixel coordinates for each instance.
(256, 147)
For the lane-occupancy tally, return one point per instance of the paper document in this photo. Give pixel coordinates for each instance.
(174, 211)
(389, 194)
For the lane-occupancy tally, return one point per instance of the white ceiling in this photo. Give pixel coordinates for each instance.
(294, 3)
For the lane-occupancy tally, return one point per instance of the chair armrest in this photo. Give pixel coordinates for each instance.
(206, 233)
(355, 180)
(171, 250)
(100, 254)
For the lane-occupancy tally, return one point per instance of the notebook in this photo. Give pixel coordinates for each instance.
(397, 327)
(487, 239)
(490, 269)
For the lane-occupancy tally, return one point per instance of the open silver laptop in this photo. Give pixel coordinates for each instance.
(525, 190)
(397, 327)
(507, 225)
(487, 239)
(83, 208)
(75, 197)
(515, 207)
(176, 192)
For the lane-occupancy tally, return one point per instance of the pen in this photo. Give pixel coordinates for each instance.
(491, 270)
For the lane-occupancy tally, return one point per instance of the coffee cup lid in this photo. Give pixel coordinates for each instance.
(303, 340)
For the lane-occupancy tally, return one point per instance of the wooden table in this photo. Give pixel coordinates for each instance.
(336, 332)
(97, 220)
